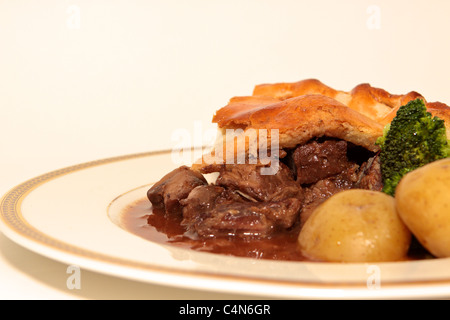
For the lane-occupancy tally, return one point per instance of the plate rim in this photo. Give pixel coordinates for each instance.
(15, 227)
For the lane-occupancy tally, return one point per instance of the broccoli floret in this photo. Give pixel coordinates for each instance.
(413, 139)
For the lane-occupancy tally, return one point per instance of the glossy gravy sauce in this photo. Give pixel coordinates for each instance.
(139, 219)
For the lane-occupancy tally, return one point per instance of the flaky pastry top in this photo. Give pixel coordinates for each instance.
(307, 109)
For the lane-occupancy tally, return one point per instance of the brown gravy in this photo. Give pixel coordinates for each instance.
(139, 219)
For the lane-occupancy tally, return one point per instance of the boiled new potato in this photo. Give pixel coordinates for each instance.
(423, 202)
(355, 226)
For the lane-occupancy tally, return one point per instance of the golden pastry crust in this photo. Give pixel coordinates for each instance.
(372, 102)
(286, 90)
(375, 103)
(295, 121)
(302, 118)
(307, 109)
(238, 110)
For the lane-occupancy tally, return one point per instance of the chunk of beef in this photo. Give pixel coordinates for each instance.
(244, 203)
(250, 219)
(371, 178)
(213, 211)
(204, 198)
(248, 179)
(316, 160)
(167, 193)
(325, 188)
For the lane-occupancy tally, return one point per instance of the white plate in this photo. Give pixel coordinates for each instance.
(72, 215)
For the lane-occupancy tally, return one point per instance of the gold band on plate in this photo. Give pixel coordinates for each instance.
(11, 203)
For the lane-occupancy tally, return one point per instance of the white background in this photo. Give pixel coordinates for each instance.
(82, 80)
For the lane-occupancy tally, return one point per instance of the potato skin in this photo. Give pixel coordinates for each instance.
(423, 202)
(355, 226)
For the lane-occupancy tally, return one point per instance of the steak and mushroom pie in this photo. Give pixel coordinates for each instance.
(280, 154)
(324, 147)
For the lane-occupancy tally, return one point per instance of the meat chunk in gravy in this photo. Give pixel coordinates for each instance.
(316, 161)
(327, 167)
(213, 211)
(248, 179)
(167, 193)
(325, 188)
(370, 176)
(244, 203)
